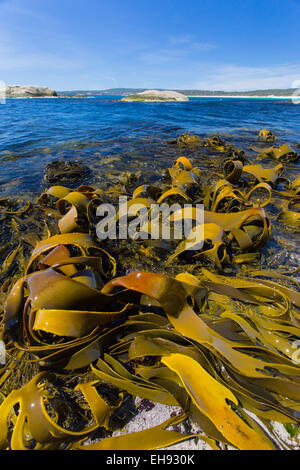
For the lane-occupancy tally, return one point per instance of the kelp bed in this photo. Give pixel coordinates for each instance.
(89, 324)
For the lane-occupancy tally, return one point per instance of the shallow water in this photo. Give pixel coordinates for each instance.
(112, 137)
(35, 132)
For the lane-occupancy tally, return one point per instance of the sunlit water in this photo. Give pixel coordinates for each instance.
(112, 137)
(35, 132)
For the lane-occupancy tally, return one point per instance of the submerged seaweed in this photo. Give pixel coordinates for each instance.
(215, 330)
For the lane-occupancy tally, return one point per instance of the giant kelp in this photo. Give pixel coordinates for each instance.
(87, 323)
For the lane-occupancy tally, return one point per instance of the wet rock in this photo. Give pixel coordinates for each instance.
(186, 140)
(65, 171)
(145, 405)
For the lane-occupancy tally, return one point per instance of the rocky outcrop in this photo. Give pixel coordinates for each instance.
(156, 96)
(31, 91)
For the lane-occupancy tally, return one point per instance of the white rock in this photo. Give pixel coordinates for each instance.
(157, 95)
(23, 91)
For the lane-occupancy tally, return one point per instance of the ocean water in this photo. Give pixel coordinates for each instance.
(111, 136)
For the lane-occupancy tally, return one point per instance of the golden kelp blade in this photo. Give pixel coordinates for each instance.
(111, 371)
(269, 175)
(290, 216)
(283, 153)
(266, 135)
(148, 439)
(186, 140)
(82, 241)
(213, 399)
(237, 224)
(196, 238)
(74, 323)
(33, 418)
(172, 295)
(233, 170)
(184, 163)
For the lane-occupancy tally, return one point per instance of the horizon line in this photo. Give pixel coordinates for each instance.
(183, 89)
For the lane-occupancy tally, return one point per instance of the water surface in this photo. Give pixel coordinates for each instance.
(35, 132)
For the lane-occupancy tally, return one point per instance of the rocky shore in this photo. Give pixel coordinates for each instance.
(31, 91)
(156, 96)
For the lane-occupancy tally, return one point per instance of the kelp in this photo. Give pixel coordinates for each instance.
(266, 135)
(283, 153)
(186, 140)
(83, 333)
(217, 143)
(290, 216)
(233, 170)
(33, 420)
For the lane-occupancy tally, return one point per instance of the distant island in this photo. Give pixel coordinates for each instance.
(276, 92)
(138, 94)
(155, 96)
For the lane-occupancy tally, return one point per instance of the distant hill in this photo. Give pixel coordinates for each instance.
(131, 91)
(111, 91)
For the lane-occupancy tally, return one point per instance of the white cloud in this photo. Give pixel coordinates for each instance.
(233, 77)
(190, 41)
(13, 8)
(14, 58)
(176, 48)
(180, 39)
(33, 45)
(20, 52)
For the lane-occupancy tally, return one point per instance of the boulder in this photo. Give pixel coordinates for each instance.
(156, 96)
(65, 171)
(30, 91)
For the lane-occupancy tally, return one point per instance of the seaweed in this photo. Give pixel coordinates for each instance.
(199, 323)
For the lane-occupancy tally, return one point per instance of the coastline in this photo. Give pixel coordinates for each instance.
(270, 97)
(296, 98)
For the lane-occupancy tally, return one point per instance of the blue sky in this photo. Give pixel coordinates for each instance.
(100, 44)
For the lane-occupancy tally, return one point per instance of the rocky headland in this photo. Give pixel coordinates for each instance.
(30, 91)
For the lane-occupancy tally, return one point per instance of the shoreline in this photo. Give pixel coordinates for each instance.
(269, 97)
(296, 98)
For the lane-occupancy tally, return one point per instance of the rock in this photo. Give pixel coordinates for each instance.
(156, 96)
(186, 140)
(64, 171)
(30, 91)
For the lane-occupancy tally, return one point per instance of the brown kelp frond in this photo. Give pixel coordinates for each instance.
(266, 135)
(283, 153)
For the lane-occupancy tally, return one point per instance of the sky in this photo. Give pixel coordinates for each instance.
(173, 44)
